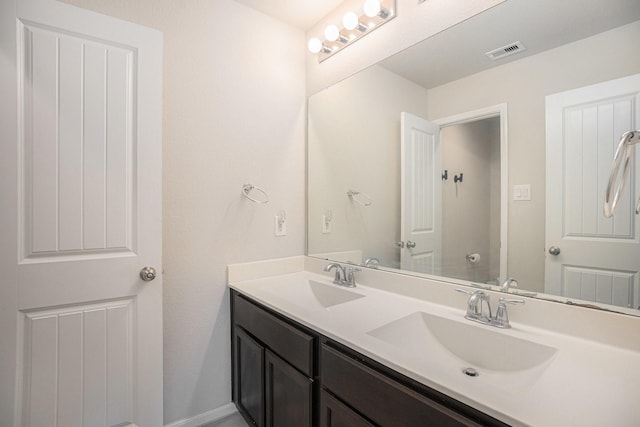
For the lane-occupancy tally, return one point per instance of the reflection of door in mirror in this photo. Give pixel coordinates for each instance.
(471, 207)
(598, 258)
(421, 192)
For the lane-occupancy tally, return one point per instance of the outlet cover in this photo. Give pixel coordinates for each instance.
(326, 225)
(280, 225)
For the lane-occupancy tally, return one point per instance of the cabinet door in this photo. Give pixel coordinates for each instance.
(249, 376)
(288, 394)
(334, 413)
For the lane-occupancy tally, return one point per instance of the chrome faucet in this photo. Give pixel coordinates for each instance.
(509, 283)
(479, 309)
(478, 306)
(513, 283)
(339, 277)
(343, 276)
(372, 262)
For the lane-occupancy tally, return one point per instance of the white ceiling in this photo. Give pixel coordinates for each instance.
(459, 51)
(299, 13)
(539, 24)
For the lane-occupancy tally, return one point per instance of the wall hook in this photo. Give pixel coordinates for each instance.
(457, 178)
(445, 175)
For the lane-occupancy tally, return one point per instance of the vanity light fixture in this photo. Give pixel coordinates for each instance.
(351, 21)
(332, 33)
(354, 26)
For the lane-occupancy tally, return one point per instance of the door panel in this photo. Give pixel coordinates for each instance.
(421, 194)
(76, 359)
(84, 153)
(598, 259)
(78, 145)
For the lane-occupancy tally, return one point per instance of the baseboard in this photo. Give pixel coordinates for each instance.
(206, 417)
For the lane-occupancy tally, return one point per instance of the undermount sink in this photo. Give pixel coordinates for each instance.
(476, 345)
(311, 292)
(329, 295)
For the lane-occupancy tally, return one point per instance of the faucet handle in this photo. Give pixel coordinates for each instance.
(350, 279)
(502, 318)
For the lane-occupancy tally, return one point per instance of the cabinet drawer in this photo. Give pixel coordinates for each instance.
(290, 343)
(384, 401)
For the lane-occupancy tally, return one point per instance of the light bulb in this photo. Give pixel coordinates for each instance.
(350, 21)
(315, 45)
(331, 33)
(371, 8)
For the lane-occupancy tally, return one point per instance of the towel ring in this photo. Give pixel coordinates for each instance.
(248, 188)
(619, 177)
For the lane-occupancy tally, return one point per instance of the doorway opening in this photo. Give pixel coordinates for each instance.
(474, 195)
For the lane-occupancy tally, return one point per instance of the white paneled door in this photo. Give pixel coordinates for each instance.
(421, 195)
(588, 256)
(80, 198)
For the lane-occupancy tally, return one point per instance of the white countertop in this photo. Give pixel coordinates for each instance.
(586, 382)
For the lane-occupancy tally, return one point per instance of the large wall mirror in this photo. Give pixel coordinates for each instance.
(443, 161)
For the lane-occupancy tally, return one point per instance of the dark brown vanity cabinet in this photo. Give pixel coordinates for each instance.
(273, 367)
(286, 375)
(384, 400)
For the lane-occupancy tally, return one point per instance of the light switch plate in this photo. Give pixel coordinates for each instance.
(522, 192)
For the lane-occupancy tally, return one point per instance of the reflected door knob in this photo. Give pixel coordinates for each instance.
(411, 244)
(148, 274)
(554, 250)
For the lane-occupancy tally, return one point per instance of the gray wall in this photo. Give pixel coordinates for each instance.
(471, 213)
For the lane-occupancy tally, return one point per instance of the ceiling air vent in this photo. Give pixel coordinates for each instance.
(507, 50)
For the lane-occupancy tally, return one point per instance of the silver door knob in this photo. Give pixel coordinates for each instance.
(148, 274)
(400, 244)
(411, 244)
(554, 250)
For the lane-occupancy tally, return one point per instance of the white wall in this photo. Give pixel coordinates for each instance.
(523, 85)
(354, 143)
(234, 113)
